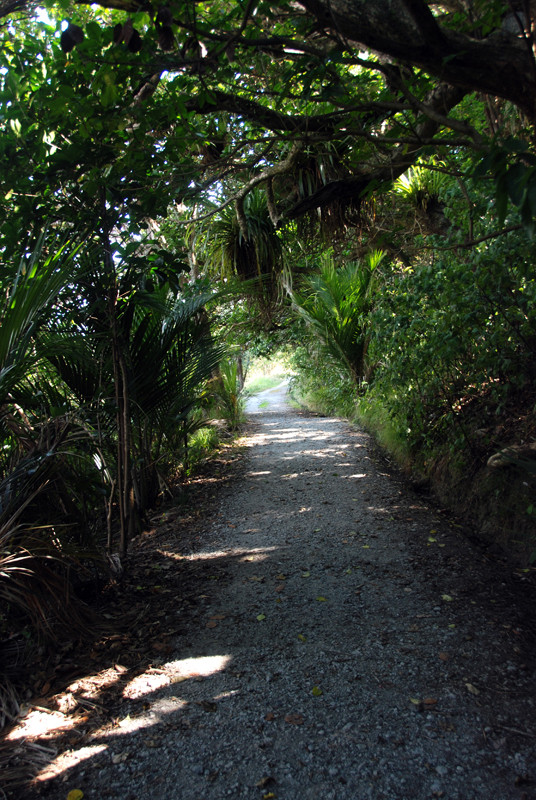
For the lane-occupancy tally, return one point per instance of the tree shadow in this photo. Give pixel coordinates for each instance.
(116, 700)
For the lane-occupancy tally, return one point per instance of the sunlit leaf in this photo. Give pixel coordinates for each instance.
(75, 794)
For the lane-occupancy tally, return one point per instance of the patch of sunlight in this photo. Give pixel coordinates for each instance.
(170, 555)
(39, 721)
(257, 554)
(246, 554)
(68, 760)
(223, 695)
(174, 672)
(198, 665)
(264, 472)
(358, 475)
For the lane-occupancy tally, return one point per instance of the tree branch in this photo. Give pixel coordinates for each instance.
(354, 187)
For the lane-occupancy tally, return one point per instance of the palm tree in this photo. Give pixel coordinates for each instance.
(335, 304)
(35, 554)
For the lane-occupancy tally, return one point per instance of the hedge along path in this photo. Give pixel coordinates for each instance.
(346, 642)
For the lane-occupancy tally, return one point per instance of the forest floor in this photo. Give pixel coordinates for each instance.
(307, 627)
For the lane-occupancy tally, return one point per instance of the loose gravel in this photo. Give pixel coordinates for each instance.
(351, 644)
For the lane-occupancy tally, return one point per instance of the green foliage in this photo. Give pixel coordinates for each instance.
(318, 384)
(335, 304)
(228, 390)
(513, 169)
(452, 331)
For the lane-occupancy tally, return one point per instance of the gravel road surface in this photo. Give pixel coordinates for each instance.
(348, 643)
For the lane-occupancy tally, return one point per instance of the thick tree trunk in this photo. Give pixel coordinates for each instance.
(503, 64)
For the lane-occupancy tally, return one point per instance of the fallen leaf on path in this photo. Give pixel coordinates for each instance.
(317, 691)
(280, 587)
(472, 689)
(302, 638)
(218, 616)
(415, 701)
(322, 599)
(447, 598)
(260, 617)
(269, 717)
(211, 624)
(306, 574)
(280, 577)
(75, 794)
(120, 758)
(444, 656)
(430, 701)
(294, 719)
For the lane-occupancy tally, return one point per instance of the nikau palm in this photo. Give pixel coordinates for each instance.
(335, 304)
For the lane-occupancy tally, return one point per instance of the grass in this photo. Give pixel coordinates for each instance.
(203, 443)
(374, 417)
(266, 373)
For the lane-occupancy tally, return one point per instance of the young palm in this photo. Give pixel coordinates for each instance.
(335, 304)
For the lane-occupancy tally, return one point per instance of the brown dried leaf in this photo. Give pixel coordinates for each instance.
(294, 719)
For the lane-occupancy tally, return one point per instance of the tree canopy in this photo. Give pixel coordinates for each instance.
(321, 105)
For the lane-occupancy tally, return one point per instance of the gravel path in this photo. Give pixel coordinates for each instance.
(350, 644)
